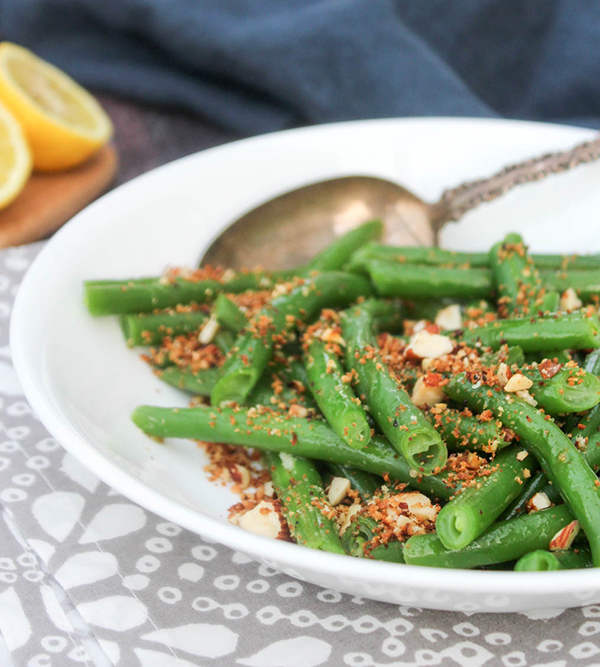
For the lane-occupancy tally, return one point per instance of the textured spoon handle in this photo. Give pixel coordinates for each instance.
(457, 201)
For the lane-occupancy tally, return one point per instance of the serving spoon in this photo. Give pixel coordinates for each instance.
(287, 230)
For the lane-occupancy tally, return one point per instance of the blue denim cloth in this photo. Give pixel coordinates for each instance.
(259, 65)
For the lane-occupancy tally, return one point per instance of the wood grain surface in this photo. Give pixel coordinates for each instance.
(145, 137)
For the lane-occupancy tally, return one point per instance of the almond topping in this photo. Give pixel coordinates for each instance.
(449, 317)
(338, 490)
(526, 396)
(564, 538)
(517, 383)
(352, 511)
(424, 395)
(263, 520)
(539, 501)
(240, 475)
(569, 300)
(425, 345)
(503, 374)
(209, 331)
(419, 505)
(297, 411)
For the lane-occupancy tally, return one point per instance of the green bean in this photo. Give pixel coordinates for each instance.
(334, 396)
(254, 347)
(560, 459)
(298, 485)
(588, 436)
(400, 420)
(543, 561)
(148, 294)
(577, 330)
(363, 482)
(360, 532)
(550, 302)
(537, 483)
(440, 256)
(338, 253)
(571, 389)
(585, 283)
(462, 433)
(200, 383)
(425, 310)
(560, 356)
(150, 329)
(418, 281)
(502, 542)
(590, 422)
(473, 510)
(228, 315)
(517, 280)
(270, 431)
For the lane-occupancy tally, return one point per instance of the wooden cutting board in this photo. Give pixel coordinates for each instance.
(49, 200)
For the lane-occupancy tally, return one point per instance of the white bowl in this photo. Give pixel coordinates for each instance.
(84, 383)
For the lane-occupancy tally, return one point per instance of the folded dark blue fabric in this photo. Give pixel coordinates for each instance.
(260, 65)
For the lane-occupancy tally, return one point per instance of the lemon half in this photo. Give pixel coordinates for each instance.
(63, 123)
(15, 158)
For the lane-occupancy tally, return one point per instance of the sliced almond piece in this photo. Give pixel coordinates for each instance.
(353, 510)
(338, 490)
(564, 538)
(268, 489)
(539, 501)
(517, 383)
(426, 345)
(297, 411)
(503, 374)
(569, 300)
(426, 396)
(209, 331)
(263, 520)
(240, 475)
(419, 505)
(449, 318)
(527, 397)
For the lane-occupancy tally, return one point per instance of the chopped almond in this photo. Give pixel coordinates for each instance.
(268, 489)
(425, 345)
(347, 518)
(297, 411)
(526, 396)
(565, 537)
(449, 317)
(522, 455)
(263, 520)
(503, 374)
(209, 331)
(419, 505)
(240, 475)
(569, 300)
(539, 501)
(517, 383)
(424, 395)
(338, 490)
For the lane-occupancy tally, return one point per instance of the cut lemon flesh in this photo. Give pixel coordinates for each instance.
(15, 158)
(63, 123)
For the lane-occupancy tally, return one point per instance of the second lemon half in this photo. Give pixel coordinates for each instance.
(63, 123)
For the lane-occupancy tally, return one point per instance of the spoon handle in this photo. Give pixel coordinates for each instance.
(455, 202)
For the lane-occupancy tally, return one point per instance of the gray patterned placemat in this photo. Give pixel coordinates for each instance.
(88, 577)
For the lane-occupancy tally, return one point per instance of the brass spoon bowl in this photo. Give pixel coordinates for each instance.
(287, 230)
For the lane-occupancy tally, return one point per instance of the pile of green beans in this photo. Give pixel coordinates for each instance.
(496, 421)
